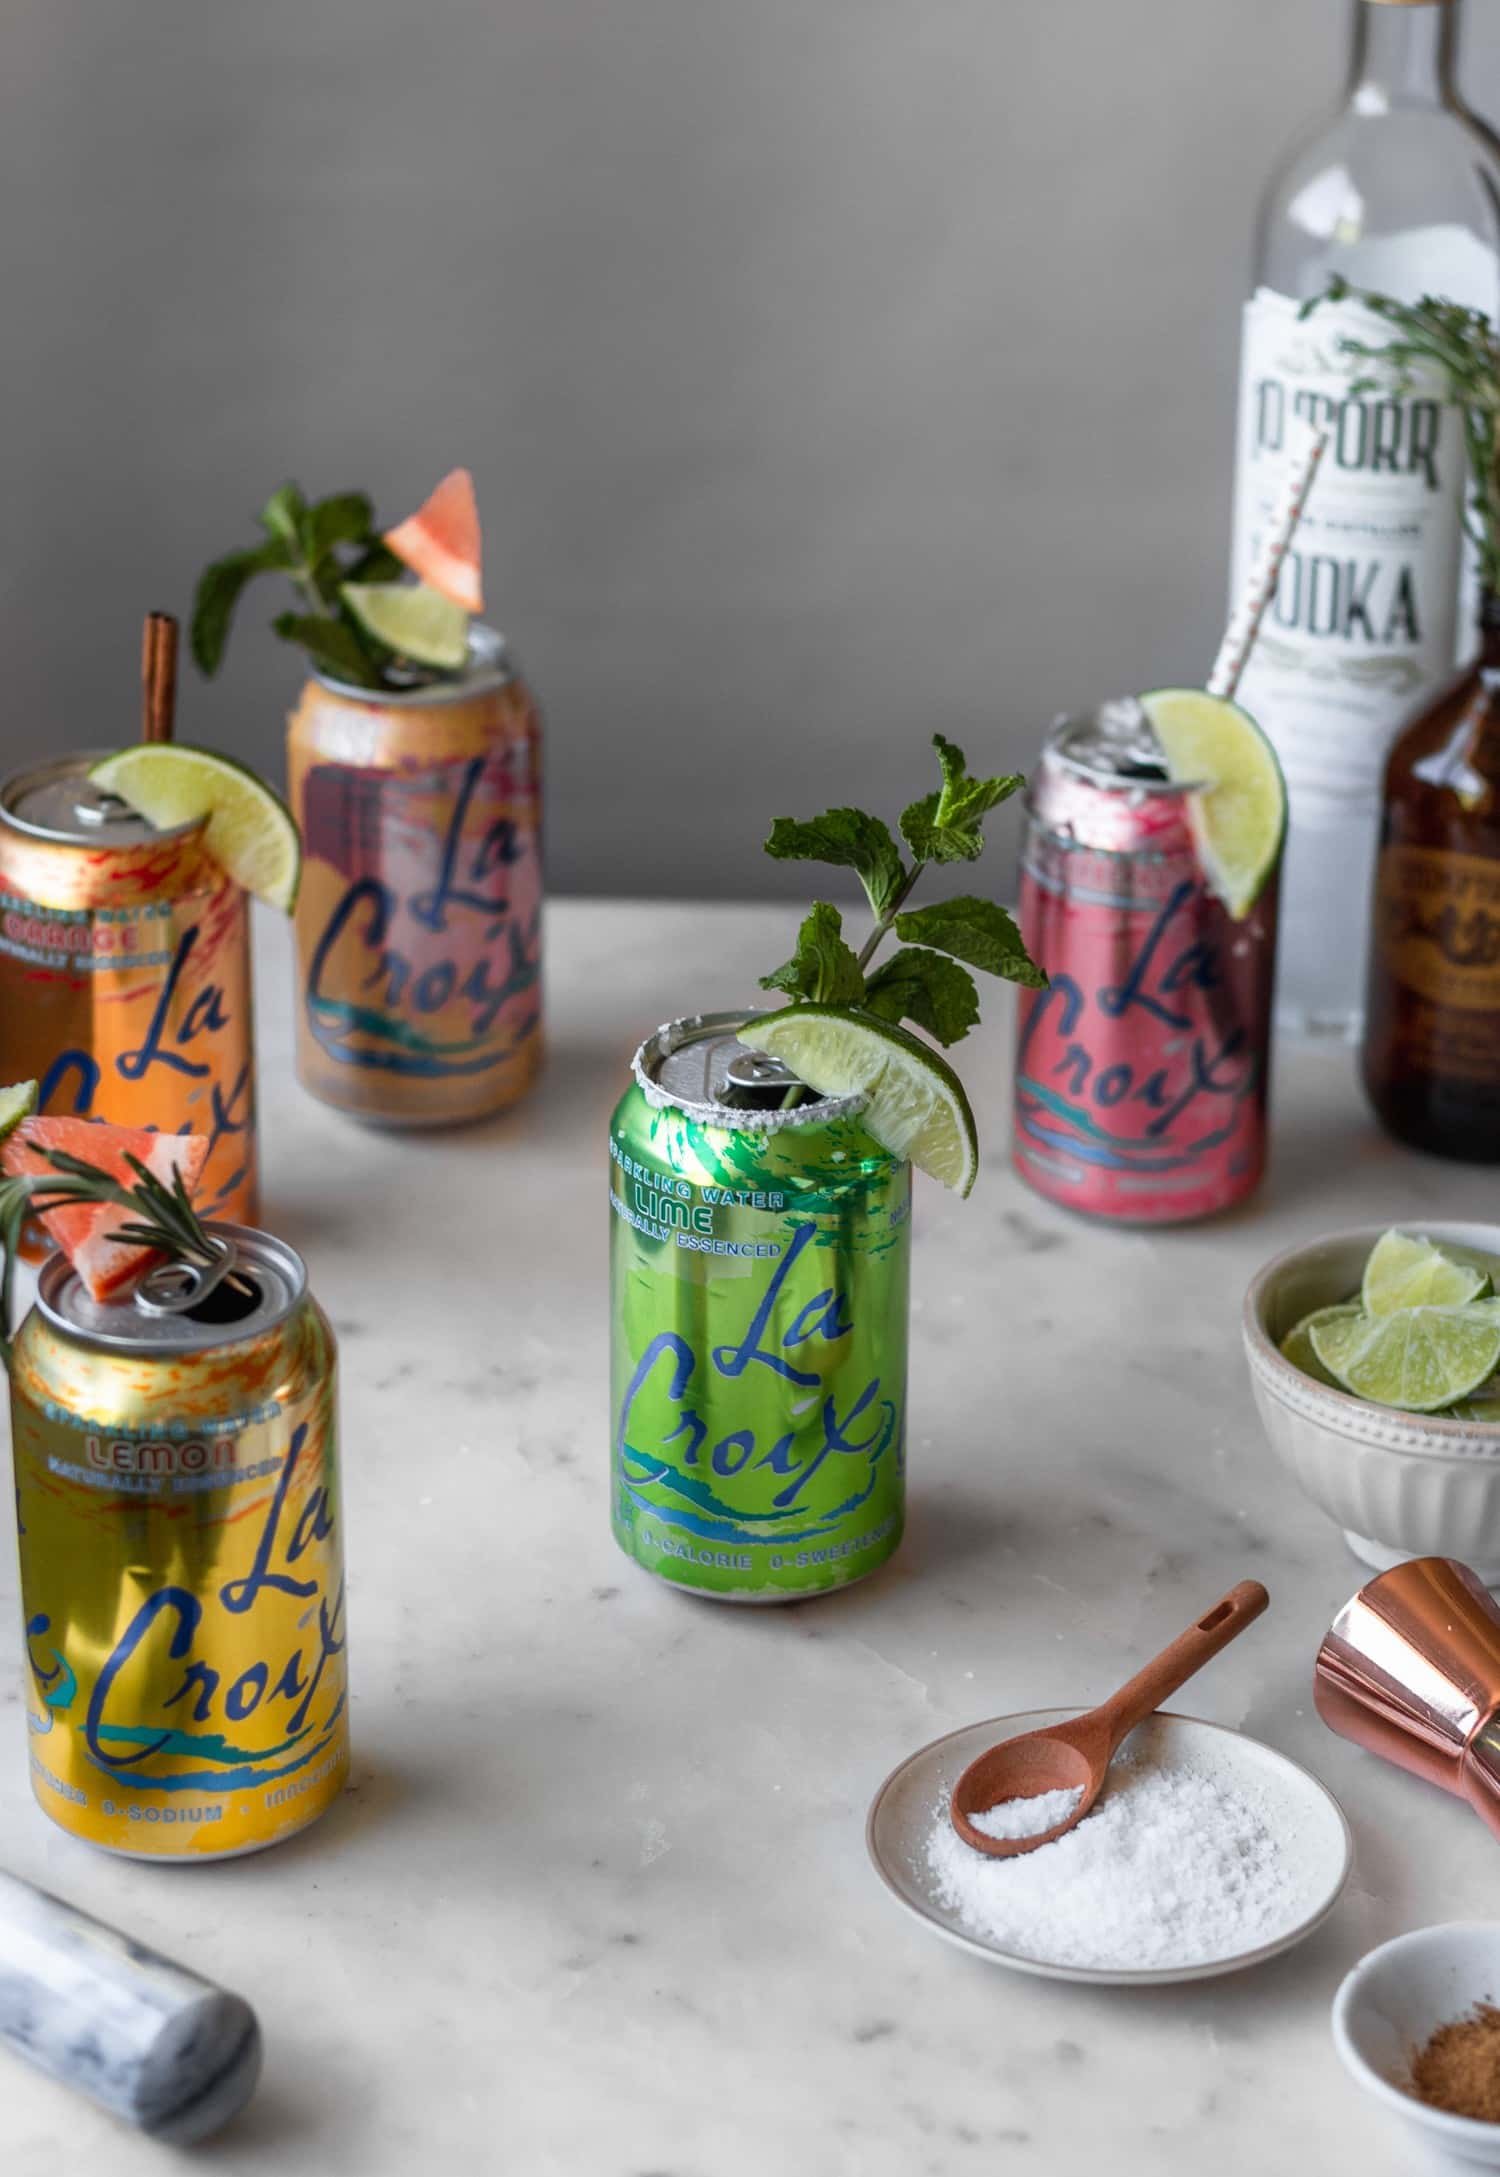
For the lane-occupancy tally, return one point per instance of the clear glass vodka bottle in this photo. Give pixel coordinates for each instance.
(1399, 191)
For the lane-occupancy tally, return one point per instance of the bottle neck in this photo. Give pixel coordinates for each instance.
(1405, 54)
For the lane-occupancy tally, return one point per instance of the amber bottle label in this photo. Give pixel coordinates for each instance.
(1439, 927)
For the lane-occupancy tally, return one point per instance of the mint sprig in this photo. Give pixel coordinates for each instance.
(945, 826)
(975, 930)
(849, 839)
(822, 968)
(927, 982)
(319, 546)
(927, 988)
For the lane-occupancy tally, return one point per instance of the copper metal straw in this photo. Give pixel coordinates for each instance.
(1410, 1670)
(158, 676)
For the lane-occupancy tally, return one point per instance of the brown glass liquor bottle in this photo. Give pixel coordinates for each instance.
(1432, 1014)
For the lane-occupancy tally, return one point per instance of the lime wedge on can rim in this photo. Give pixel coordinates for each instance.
(417, 623)
(16, 1103)
(916, 1108)
(1405, 1271)
(248, 829)
(1239, 814)
(1297, 1345)
(1422, 1359)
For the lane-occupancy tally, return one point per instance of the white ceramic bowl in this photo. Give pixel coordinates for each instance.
(1390, 2003)
(1400, 1485)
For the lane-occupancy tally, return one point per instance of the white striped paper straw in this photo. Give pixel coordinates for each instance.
(1249, 611)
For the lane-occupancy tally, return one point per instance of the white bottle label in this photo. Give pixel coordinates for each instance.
(1365, 619)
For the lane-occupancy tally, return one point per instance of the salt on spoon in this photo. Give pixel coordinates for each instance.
(1068, 1762)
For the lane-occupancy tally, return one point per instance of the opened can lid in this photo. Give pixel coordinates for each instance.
(264, 1283)
(697, 1065)
(59, 801)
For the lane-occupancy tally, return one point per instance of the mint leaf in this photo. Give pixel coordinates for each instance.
(329, 644)
(346, 518)
(282, 516)
(945, 826)
(822, 969)
(974, 930)
(850, 839)
(928, 988)
(376, 564)
(218, 593)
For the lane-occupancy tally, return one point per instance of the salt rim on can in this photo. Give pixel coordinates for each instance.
(492, 664)
(714, 1030)
(1113, 752)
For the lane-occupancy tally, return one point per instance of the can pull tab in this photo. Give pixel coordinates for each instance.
(94, 807)
(757, 1070)
(176, 1288)
(754, 1081)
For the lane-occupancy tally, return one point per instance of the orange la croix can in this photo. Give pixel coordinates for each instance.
(125, 974)
(419, 913)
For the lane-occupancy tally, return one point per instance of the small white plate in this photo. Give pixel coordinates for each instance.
(1308, 1822)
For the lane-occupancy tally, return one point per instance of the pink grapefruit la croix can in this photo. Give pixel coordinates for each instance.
(1142, 1069)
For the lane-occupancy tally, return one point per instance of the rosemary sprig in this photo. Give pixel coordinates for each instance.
(163, 1217)
(1462, 344)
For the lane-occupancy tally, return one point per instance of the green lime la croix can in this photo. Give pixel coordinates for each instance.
(760, 1274)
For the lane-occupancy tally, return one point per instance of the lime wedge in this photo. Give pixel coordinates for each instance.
(1297, 1345)
(1422, 1359)
(1483, 1406)
(16, 1103)
(249, 830)
(917, 1107)
(414, 621)
(1408, 1272)
(1239, 817)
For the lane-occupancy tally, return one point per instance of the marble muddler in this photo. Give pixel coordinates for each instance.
(144, 2038)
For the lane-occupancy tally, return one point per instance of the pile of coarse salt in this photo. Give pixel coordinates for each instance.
(1170, 1869)
(1027, 1817)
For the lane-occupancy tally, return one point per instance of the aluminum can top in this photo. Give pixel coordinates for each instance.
(491, 665)
(173, 1311)
(698, 1066)
(1102, 783)
(1113, 746)
(58, 801)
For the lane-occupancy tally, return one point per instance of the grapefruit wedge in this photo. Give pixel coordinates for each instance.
(441, 541)
(82, 1229)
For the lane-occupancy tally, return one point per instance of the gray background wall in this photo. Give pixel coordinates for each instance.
(833, 370)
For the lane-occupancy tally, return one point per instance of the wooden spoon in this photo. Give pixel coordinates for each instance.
(1075, 1756)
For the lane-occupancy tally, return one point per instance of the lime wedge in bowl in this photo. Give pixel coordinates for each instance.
(1405, 1271)
(1421, 1359)
(248, 829)
(1483, 1406)
(16, 1103)
(917, 1107)
(417, 623)
(1297, 1346)
(1239, 815)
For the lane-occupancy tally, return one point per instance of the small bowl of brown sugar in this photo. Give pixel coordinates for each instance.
(1417, 2023)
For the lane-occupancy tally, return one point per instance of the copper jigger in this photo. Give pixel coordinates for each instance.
(1411, 1670)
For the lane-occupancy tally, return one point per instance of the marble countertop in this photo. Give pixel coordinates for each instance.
(596, 1903)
